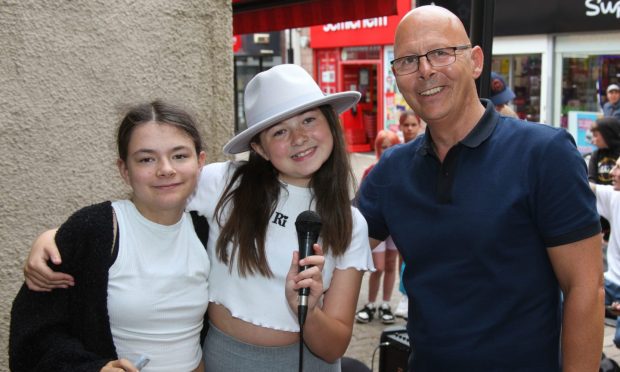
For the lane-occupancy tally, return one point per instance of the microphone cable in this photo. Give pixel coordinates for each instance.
(372, 361)
(301, 347)
(302, 311)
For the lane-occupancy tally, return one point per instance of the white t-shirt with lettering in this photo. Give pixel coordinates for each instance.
(257, 299)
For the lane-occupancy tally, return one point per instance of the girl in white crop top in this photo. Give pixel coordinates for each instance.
(147, 295)
(297, 162)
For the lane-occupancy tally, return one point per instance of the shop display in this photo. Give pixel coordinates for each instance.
(522, 72)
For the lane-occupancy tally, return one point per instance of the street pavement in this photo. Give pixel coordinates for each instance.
(365, 339)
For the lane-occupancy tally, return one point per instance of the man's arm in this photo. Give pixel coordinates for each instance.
(578, 268)
(374, 243)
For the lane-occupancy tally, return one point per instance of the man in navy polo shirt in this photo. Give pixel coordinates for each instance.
(493, 217)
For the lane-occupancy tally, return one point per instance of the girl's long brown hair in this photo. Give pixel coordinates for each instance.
(254, 190)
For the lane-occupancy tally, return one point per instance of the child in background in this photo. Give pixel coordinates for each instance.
(384, 256)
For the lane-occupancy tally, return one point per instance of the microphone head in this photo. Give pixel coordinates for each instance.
(308, 221)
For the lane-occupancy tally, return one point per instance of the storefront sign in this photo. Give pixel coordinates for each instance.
(371, 31)
(526, 17)
(597, 8)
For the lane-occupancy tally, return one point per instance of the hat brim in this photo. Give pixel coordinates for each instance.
(339, 101)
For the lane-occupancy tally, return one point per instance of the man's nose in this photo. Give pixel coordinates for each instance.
(424, 66)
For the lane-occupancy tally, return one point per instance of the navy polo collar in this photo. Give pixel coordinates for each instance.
(479, 134)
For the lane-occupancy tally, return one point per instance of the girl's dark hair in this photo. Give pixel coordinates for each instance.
(157, 112)
(609, 128)
(405, 114)
(253, 193)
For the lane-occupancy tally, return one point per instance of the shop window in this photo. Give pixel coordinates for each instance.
(610, 74)
(522, 73)
(580, 75)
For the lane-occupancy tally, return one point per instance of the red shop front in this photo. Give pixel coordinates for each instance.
(355, 55)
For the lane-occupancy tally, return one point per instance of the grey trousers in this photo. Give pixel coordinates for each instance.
(223, 353)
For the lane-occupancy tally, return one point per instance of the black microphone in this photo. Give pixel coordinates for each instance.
(308, 225)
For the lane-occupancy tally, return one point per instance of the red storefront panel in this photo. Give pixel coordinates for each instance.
(251, 16)
(370, 31)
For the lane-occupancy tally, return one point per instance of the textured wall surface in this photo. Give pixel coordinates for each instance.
(67, 68)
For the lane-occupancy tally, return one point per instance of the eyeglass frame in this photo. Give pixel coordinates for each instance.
(454, 49)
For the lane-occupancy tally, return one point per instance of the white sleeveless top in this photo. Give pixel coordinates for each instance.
(157, 291)
(257, 299)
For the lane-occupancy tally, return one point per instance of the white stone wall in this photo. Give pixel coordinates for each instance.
(67, 68)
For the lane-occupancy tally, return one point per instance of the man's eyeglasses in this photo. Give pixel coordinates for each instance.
(437, 58)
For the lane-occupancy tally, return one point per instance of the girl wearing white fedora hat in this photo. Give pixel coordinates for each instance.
(297, 161)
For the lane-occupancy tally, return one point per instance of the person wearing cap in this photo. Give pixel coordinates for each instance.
(611, 108)
(493, 216)
(501, 95)
(297, 162)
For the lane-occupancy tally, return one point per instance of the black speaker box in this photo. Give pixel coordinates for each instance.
(394, 353)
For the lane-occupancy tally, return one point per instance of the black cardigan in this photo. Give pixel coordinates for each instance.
(69, 329)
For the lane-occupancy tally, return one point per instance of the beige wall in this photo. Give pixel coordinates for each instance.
(66, 68)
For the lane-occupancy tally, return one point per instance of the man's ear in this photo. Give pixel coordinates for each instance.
(123, 170)
(258, 148)
(477, 57)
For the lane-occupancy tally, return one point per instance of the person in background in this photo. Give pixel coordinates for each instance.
(410, 125)
(493, 216)
(297, 162)
(608, 205)
(501, 95)
(140, 268)
(606, 137)
(611, 108)
(383, 255)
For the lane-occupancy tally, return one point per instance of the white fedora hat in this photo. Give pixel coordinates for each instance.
(279, 93)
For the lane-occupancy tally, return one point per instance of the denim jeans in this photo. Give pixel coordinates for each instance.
(612, 293)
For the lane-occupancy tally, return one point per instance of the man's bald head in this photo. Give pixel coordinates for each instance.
(440, 87)
(430, 17)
